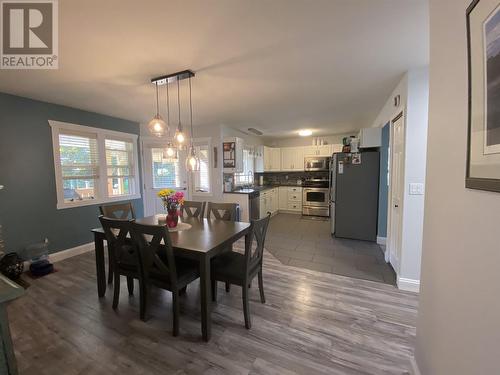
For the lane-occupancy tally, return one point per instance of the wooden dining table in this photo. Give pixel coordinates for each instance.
(205, 239)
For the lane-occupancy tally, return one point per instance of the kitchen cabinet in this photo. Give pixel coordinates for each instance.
(272, 159)
(370, 137)
(269, 202)
(283, 198)
(324, 150)
(292, 159)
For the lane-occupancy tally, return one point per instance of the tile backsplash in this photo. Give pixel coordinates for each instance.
(288, 178)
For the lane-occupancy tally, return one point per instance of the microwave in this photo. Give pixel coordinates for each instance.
(315, 163)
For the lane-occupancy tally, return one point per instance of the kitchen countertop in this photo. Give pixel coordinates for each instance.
(259, 188)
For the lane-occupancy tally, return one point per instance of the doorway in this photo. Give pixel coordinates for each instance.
(396, 189)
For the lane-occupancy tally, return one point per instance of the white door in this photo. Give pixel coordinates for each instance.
(161, 174)
(396, 189)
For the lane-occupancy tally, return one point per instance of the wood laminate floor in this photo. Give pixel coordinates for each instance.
(312, 323)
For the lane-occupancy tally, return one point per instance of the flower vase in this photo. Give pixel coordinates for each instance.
(172, 218)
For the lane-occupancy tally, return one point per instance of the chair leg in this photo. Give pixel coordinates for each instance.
(183, 291)
(261, 288)
(214, 290)
(130, 285)
(228, 287)
(110, 265)
(175, 307)
(144, 302)
(116, 294)
(246, 308)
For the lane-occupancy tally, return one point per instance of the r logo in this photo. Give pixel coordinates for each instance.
(29, 28)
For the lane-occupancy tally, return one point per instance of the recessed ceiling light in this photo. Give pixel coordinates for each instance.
(305, 133)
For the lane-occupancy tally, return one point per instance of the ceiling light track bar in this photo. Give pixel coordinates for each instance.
(174, 77)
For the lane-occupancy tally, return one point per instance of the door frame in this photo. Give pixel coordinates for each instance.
(399, 114)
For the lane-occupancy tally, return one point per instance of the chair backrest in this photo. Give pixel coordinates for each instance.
(222, 211)
(148, 239)
(193, 209)
(116, 231)
(118, 211)
(258, 232)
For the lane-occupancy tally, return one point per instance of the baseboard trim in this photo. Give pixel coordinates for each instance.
(414, 366)
(408, 285)
(68, 253)
(381, 240)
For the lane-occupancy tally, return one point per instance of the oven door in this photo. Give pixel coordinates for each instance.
(318, 197)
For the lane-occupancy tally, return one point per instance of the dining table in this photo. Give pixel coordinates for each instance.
(201, 240)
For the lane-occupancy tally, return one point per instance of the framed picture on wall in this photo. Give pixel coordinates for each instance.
(483, 44)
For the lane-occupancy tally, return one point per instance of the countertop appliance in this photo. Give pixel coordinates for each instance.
(315, 197)
(316, 163)
(354, 184)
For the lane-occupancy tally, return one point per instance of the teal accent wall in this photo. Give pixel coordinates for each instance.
(383, 189)
(28, 212)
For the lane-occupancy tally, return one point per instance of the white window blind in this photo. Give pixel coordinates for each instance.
(79, 164)
(202, 178)
(166, 173)
(120, 167)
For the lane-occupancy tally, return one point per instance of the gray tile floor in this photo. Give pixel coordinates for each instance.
(308, 244)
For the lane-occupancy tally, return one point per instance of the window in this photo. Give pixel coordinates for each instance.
(202, 178)
(166, 173)
(79, 165)
(93, 165)
(120, 166)
(246, 177)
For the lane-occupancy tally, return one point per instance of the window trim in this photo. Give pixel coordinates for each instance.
(208, 142)
(58, 127)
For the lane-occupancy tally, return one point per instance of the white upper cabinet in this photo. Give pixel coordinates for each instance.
(370, 137)
(292, 159)
(259, 159)
(272, 159)
(232, 155)
(325, 150)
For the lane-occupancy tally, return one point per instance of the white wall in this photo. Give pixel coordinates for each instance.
(413, 90)
(458, 329)
(417, 110)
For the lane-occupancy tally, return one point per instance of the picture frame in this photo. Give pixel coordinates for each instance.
(483, 55)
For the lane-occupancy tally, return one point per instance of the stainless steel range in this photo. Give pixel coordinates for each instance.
(315, 197)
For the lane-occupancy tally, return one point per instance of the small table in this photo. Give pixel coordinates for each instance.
(204, 240)
(9, 291)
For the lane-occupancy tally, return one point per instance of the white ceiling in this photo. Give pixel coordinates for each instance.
(277, 66)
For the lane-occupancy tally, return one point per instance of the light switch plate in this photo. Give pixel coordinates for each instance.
(416, 188)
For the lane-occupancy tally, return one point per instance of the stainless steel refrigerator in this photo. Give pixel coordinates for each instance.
(354, 180)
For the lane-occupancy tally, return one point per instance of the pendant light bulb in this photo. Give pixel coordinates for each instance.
(170, 151)
(157, 126)
(192, 161)
(179, 137)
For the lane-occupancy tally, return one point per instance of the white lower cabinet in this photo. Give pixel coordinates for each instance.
(269, 202)
(283, 200)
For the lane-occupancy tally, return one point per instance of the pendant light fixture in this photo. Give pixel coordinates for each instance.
(179, 137)
(192, 161)
(157, 126)
(170, 153)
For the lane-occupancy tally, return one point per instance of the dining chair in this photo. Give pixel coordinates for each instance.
(123, 256)
(193, 209)
(222, 211)
(160, 268)
(241, 269)
(116, 211)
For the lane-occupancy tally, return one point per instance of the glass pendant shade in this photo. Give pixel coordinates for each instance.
(170, 153)
(180, 137)
(192, 161)
(157, 126)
